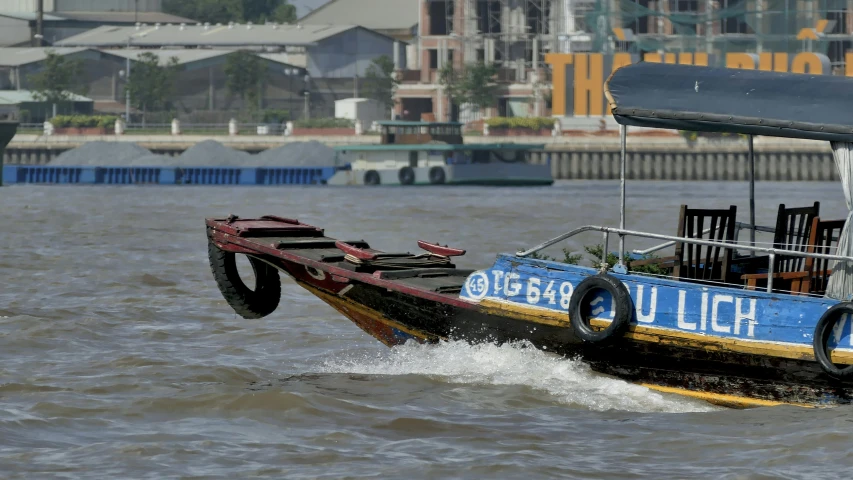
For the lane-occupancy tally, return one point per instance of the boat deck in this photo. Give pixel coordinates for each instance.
(290, 240)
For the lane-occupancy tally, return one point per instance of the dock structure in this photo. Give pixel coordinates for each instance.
(671, 158)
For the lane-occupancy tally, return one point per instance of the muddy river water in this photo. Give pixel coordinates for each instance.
(120, 359)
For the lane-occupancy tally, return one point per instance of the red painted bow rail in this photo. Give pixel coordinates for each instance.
(273, 235)
(305, 253)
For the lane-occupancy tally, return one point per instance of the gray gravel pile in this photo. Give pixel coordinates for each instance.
(101, 154)
(297, 154)
(208, 153)
(211, 153)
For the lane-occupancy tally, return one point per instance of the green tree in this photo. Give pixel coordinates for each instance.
(380, 81)
(474, 84)
(213, 11)
(245, 73)
(479, 84)
(224, 11)
(453, 83)
(151, 84)
(260, 11)
(58, 80)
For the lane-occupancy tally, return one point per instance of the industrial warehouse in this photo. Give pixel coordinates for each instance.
(550, 57)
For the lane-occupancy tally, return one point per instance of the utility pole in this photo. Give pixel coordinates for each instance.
(40, 24)
(307, 92)
(127, 86)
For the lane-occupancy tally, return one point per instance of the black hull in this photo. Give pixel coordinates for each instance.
(717, 372)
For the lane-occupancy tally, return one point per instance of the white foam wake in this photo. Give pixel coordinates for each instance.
(565, 380)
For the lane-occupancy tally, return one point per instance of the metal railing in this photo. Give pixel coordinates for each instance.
(772, 252)
(185, 128)
(738, 227)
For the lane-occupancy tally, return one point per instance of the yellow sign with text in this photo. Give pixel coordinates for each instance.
(578, 78)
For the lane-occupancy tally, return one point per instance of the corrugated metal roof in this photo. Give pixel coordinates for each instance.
(184, 55)
(292, 59)
(14, 57)
(190, 55)
(15, 97)
(373, 14)
(304, 7)
(213, 35)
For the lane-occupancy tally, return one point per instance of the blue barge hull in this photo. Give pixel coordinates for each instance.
(61, 175)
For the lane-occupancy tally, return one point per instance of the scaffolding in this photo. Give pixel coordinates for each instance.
(515, 35)
(722, 26)
(512, 34)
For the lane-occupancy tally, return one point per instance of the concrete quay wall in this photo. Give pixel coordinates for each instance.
(692, 164)
(649, 158)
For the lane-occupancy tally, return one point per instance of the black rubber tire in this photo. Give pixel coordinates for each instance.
(371, 177)
(437, 176)
(248, 303)
(821, 334)
(622, 302)
(406, 176)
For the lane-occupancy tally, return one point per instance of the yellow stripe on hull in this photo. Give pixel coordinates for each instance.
(721, 399)
(348, 308)
(642, 333)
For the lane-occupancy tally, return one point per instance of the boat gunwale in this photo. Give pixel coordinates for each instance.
(772, 252)
(251, 243)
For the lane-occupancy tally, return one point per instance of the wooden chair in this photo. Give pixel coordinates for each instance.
(812, 279)
(699, 262)
(825, 236)
(793, 232)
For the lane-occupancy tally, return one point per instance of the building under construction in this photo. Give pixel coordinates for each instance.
(515, 35)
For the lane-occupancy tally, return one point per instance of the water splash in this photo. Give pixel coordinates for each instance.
(567, 381)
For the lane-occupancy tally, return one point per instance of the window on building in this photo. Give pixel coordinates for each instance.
(736, 23)
(489, 16)
(538, 13)
(440, 17)
(643, 24)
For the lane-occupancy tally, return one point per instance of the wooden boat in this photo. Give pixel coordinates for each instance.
(433, 153)
(730, 322)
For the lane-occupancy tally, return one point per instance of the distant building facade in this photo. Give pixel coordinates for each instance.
(325, 62)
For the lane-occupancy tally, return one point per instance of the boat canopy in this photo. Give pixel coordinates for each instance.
(686, 97)
(752, 102)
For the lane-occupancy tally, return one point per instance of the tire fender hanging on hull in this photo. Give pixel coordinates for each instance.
(248, 303)
(822, 332)
(622, 303)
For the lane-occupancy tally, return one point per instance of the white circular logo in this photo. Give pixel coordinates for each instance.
(477, 285)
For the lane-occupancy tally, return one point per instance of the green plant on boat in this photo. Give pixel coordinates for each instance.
(594, 253)
(568, 257)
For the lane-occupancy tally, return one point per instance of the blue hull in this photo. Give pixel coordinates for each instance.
(739, 340)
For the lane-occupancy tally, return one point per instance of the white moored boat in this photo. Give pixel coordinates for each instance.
(431, 153)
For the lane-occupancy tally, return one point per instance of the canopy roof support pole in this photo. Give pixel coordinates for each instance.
(751, 194)
(623, 154)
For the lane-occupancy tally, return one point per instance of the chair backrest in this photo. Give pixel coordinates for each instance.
(823, 239)
(793, 229)
(698, 262)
